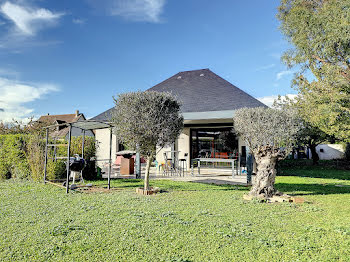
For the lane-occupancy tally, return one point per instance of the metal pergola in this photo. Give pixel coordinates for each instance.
(84, 126)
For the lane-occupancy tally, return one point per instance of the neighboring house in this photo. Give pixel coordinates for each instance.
(208, 105)
(61, 132)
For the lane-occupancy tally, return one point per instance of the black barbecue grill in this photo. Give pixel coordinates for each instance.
(77, 163)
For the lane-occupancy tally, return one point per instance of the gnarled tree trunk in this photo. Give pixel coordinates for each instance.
(148, 167)
(264, 182)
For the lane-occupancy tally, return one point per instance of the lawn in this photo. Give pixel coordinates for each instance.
(188, 222)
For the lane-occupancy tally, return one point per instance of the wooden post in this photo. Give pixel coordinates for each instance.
(68, 157)
(110, 159)
(47, 141)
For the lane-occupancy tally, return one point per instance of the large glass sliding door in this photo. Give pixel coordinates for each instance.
(213, 143)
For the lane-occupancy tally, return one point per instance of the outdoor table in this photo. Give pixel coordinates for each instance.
(213, 160)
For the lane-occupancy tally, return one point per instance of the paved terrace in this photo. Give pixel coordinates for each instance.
(208, 175)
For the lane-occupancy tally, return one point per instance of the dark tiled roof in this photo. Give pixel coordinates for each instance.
(105, 116)
(202, 91)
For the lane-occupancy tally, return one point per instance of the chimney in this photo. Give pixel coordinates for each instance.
(76, 112)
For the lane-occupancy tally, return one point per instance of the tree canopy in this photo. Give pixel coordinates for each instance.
(261, 127)
(145, 120)
(308, 134)
(270, 134)
(319, 31)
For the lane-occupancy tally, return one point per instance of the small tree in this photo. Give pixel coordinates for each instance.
(270, 134)
(145, 120)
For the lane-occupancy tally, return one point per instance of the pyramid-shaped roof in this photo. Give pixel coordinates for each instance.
(201, 91)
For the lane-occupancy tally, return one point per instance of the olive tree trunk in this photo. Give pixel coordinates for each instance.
(264, 182)
(148, 167)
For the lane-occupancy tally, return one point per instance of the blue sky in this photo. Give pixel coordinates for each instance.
(61, 55)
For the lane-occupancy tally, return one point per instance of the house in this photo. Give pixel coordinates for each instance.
(61, 132)
(208, 105)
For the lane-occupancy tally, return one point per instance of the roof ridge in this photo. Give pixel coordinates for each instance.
(196, 70)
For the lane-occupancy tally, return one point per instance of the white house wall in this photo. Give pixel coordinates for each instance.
(102, 149)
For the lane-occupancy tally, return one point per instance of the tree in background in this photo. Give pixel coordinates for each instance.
(270, 134)
(319, 30)
(308, 135)
(145, 120)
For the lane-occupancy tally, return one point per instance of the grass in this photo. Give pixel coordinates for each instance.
(189, 222)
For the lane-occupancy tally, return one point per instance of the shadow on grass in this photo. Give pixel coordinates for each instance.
(168, 185)
(313, 189)
(315, 172)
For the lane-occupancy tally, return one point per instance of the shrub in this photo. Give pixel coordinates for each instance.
(13, 162)
(22, 156)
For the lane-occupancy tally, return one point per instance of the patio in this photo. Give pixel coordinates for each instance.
(219, 176)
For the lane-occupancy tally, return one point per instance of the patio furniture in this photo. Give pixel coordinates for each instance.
(171, 164)
(217, 160)
(183, 164)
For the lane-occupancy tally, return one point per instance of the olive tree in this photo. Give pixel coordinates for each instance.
(146, 120)
(270, 134)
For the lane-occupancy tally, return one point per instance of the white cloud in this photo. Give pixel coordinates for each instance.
(265, 67)
(282, 74)
(14, 95)
(268, 100)
(138, 10)
(27, 20)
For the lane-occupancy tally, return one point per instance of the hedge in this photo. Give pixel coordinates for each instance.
(22, 156)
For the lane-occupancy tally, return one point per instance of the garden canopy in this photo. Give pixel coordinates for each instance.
(84, 126)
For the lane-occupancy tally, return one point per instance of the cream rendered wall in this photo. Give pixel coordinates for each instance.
(183, 145)
(160, 154)
(102, 150)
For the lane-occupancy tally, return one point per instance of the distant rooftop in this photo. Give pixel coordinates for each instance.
(61, 119)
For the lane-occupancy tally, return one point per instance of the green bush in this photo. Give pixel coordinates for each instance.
(22, 156)
(13, 161)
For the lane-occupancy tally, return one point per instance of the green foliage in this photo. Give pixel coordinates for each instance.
(190, 222)
(308, 135)
(22, 156)
(13, 157)
(264, 128)
(147, 119)
(319, 31)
